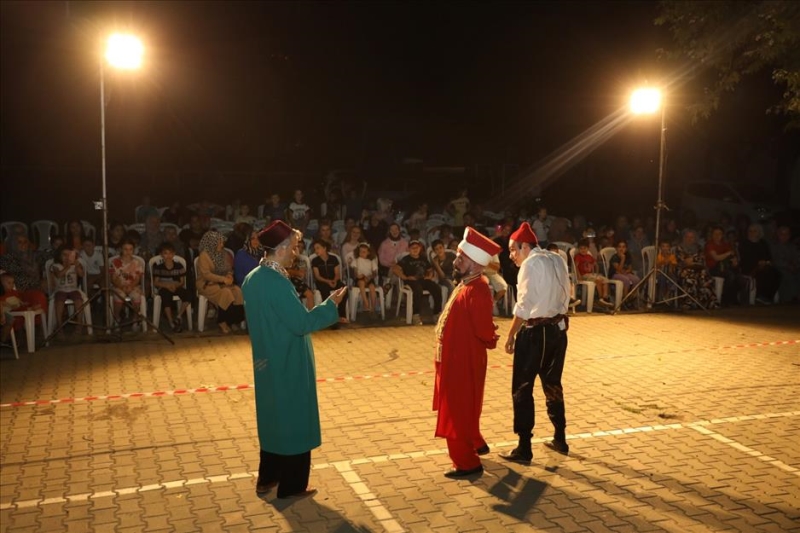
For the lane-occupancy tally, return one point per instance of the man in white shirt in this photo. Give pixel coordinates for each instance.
(538, 339)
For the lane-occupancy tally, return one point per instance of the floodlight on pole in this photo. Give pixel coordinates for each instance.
(124, 52)
(645, 101)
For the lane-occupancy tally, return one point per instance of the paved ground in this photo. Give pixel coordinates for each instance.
(676, 422)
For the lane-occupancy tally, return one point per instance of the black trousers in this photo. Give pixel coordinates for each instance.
(325, 290)
(538, 351)
(290, 471)
(232, 315)
(419, 285)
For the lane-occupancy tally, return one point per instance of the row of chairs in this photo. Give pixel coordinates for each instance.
(40, 231)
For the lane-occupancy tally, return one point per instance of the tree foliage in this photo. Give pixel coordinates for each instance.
(725, 41)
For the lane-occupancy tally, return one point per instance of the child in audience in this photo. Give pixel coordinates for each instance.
(586, 267)
(126, 278)
(66, 272)
(620, 267)
(93, 259)
(169, 278)
(366, 270)
(666, 262)
(443, 265)
(244, 215)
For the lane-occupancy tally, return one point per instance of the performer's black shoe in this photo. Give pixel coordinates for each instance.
(518, 456)
(263, 488)
(455, 473)
(558, 445)
(310, 491)
(483, 450)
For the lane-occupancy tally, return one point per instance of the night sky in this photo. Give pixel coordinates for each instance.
(306, 87)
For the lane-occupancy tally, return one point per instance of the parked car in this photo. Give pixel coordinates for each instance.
(708, 200)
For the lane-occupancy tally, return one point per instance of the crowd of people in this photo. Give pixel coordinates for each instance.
(346, 240)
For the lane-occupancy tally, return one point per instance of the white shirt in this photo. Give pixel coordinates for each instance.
(94, 262)
(366, 267)
(541, 228)
(542, 286)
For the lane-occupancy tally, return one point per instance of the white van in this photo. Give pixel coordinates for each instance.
(708, 200)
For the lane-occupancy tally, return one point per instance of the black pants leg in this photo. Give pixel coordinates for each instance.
(232, 315)
(539, 351)
(436, 292)
(325, 290)
(290, 471)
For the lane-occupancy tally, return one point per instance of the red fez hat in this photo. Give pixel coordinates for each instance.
(525, 234)
(274, 234)
(478, 247)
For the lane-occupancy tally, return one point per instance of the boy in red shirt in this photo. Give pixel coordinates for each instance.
(586, 267)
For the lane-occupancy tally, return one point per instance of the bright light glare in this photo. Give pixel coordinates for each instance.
(124, 51)
(645, 101)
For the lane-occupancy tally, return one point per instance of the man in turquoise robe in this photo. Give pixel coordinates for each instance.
(283, 363)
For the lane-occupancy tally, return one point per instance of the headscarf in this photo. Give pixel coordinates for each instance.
(690, 249)
(255, 251)
(208, 244)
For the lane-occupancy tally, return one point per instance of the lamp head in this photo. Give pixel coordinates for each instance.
(645, 101)
(124, 51)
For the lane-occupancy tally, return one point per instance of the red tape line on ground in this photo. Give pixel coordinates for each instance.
(245, 386)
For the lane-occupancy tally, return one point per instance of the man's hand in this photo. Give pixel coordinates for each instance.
(338, 295)
(510, 345)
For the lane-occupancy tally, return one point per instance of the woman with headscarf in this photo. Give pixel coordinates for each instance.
(247, 258)
(692, 271)
(755, 260)
(215, 280)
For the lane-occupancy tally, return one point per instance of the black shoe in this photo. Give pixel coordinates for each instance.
(456, 473)
(483, 450)
(263, 488)
(558, 445)
(177, 326)
(517, 456)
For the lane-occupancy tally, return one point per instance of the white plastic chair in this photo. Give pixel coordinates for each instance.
(589, 287)
(14, 344)
(7, 227)
(143, 303)
(157, 297)
(30, 325)
(355, 292)
(139, 227)
(42, 229)
(69, 304)
(606, 254)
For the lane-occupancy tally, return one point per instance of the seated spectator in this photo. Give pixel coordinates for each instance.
(620, 267)
(587, 270)
(298, 274)
(692, 273)
(298, 213)
(247, 258)
(453, 245)
(13, 300)
(244, 215)
(393, 245)
(169, 277)
(671, 232)
(507, 266)
(191, 236)
(93, 259)
(171, 236)
(151, 238)
(756, 262)
(786, 258)
(215, 281)
(636, 243)
(328, 275)
(274, 209)
(175, 214)
(75, 234)
(418, 218)
(384, 210)
(66, 273)
(458, 207)
(667, 263)
(541, 227)
(365, 271)
(414, 235)
(116, 234)
(240, 235)
(351, 241)
(145, 210)
(135, 237)
(375, 231)
(333, 208)
(21, 262)
(126, 280)
(443, 265)
(417, 273)
(325, 233)
(721, 262)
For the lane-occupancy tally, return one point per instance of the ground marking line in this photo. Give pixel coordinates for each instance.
(377, 459)
(250, 386)
(351, 477)
(701, 428)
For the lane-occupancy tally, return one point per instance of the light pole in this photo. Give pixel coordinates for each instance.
(123, 52)
(648, 101)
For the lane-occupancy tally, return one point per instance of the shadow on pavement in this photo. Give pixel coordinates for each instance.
(520, 493)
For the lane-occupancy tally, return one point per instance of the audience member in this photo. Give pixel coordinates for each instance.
(94, 261)
(417, 273)
(240, 235)
(215, 281)
(365, 268)
(692, 273)
(375, 231)
(244, 216)
(636, 243)
(418, 218)
(620, 267)
(393, 245)
(174, 214)
(247, 258)
(458, 207)
(721, 262)
(351, 241)
(169, 277)
(145, 210)
(75, 234)
(756, 262)
(298, 213)
(191, 236)
(443, 265)
(667, 263)
(66, 273)
(786, 258)
(587, 270)
(274, 209)
(298, 275)
(151, 238)
(116, 234)
(541, 227)
(328, 275)
(171, 236)
(126, 280)
(325, 233)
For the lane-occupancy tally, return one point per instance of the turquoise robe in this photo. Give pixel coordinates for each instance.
(283, 361)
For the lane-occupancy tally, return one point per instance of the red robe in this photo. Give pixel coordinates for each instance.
(464, 332)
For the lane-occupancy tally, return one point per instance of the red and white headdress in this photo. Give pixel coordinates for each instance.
(478, 247)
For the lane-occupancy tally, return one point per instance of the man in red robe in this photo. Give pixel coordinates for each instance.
(464, 332)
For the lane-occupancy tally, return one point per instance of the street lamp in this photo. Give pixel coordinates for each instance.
(123, 52)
